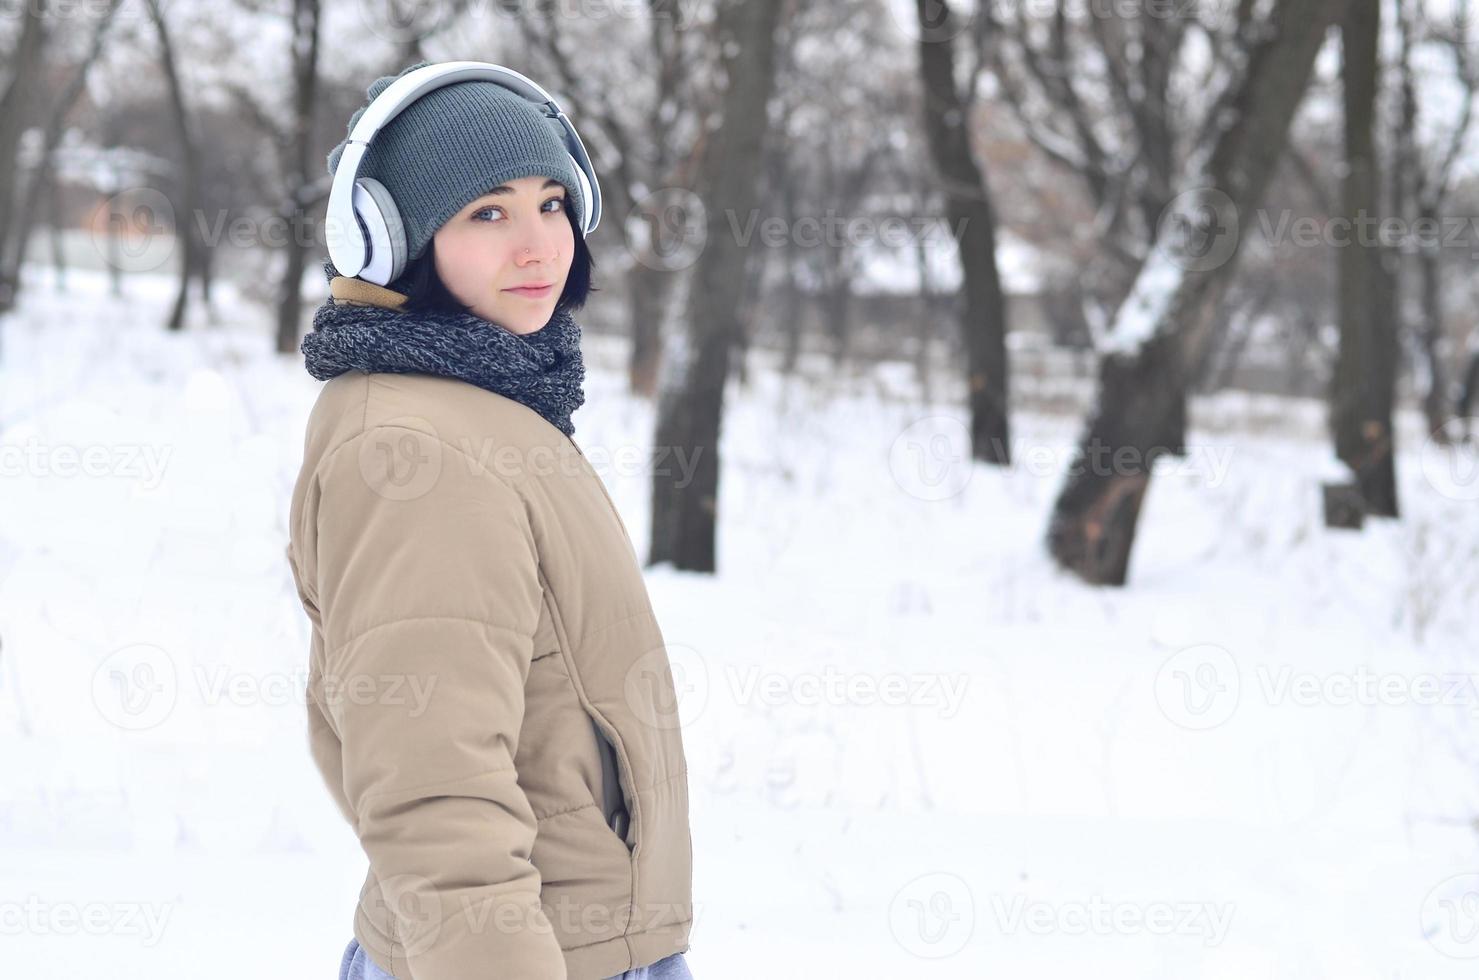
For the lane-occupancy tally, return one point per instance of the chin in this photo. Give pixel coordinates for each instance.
(521, 324)
(530, 322)
(514, 320)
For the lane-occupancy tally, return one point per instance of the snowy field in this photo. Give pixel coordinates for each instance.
(917, 750)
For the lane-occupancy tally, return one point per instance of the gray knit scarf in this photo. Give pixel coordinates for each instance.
(542, 370)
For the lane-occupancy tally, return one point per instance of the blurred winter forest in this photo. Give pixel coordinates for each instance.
(1170, 198)
(1120, 357)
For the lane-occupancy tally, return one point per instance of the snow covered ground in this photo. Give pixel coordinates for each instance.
(917, 750)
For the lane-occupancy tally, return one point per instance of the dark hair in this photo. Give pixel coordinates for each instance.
(425, 290)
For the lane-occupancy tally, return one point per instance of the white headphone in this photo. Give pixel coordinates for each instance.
(377, 253)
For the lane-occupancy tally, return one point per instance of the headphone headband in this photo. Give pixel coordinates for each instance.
(348, 247)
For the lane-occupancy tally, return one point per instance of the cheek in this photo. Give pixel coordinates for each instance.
(470, 262)
(567, 246)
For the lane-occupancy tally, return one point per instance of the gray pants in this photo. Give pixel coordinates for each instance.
(357, 965)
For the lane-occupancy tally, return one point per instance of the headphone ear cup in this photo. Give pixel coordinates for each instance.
(384, 232)
(586, 195)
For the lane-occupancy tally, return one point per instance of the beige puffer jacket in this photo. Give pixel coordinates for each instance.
(489, 698)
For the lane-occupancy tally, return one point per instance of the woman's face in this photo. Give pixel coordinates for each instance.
(516, 235)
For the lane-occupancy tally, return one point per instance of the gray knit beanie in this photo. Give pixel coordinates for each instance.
(455, 144)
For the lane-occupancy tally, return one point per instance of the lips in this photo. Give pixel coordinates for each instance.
(534, 291)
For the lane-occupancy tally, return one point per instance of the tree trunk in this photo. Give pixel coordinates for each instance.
(1364, 381)
(1430, 336)
(793, 310)
(188, 201)
(13, 252)
(55, 220)
(1468, 395)
(305, 44)
(930, 310)
(1160, 332)
(650, 291)
(1412, 197)
(972, 217)
(837, 304)
(16, 107)
(207, 270)
(691, 403)
(1221, 363)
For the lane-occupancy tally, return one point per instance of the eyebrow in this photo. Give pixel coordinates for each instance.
(505, 189)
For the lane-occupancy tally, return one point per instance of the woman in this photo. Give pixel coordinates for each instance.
(489, 699)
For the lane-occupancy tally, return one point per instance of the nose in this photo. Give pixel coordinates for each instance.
(540, 245)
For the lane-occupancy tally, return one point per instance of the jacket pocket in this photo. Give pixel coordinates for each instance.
(614, 808)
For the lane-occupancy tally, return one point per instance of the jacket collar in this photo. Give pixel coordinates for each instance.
(358, 292)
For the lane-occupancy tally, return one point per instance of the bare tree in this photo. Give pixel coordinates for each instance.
(1094, 93)
(1159, 333)
(1222, 357)
(845, 99)
(17, 108)
(968, 204)
(1468, 394)
(303, 190)
(1364, 381)
(1425, 178)
(29, 197)
(648, 154)
(188, 203)
(691, 389)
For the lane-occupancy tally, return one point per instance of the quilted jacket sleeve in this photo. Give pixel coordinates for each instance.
(429, 591)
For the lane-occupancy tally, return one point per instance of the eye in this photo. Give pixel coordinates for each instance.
(559, 202)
